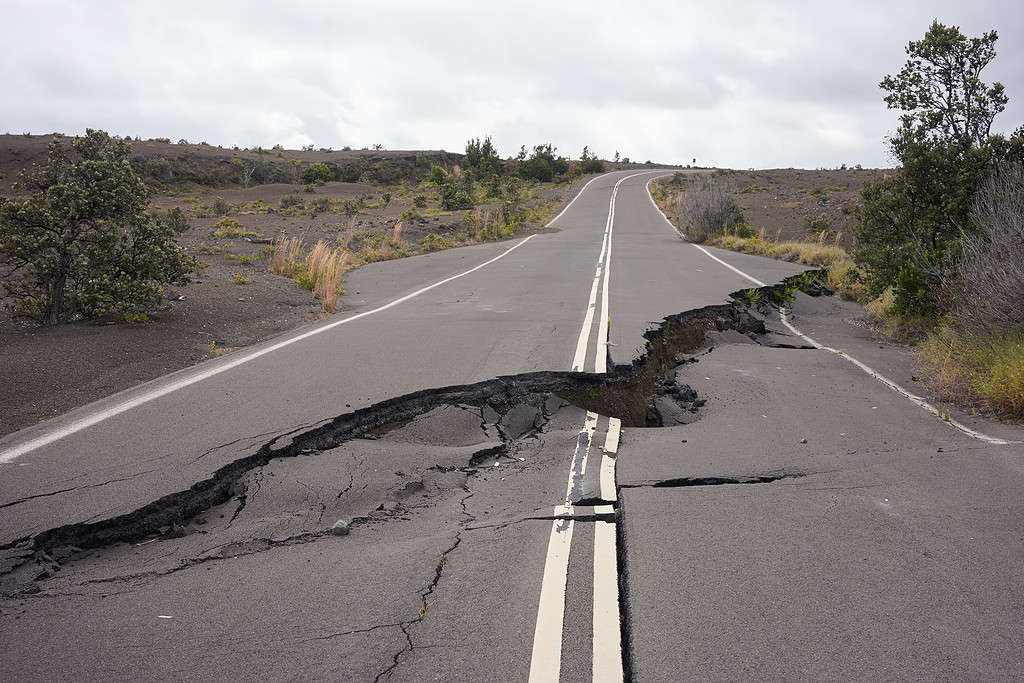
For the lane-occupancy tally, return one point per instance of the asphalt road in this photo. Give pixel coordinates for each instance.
(805, 522)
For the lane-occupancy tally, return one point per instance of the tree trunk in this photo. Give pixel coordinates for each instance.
(56, 308)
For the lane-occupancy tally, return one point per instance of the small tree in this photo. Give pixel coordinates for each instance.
(910, 223)
(589, 163)
(318, 173)
(482, 158)
(81, 242)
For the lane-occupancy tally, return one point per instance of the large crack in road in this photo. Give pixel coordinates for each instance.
(509, 415)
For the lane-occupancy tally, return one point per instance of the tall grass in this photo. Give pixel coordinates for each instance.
(326, 265)
(320, 270)
(986, 373)
(842, 272)
(286, 257)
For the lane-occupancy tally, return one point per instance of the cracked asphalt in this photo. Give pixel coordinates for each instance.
(789, 516)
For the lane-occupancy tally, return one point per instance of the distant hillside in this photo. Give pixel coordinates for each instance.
(166, 165)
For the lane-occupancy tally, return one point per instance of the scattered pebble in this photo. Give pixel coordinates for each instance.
(340, 528)
(803, 440)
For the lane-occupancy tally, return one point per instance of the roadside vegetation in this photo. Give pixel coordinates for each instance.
(97, 230)
(937, 251)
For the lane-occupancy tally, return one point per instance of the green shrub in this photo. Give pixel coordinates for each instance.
(220, 207)
(420, 201)
(437, 175)
(589, 163)
(227, 228)
(434, 242)
(455, 195)
(482, 158)
(351, 207)
(318, 173)
(291, 200)
(818, 226)
(538, 169)
(744, 231)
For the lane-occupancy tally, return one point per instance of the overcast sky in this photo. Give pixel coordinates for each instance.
(738, 84)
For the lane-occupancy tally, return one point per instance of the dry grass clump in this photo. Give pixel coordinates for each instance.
(287, 256)
(321, 270)
(382, 246)
(326, 266)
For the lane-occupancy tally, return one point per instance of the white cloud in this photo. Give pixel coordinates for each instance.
(733, 83)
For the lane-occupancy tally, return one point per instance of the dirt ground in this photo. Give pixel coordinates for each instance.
(233, 300)
(780, 200)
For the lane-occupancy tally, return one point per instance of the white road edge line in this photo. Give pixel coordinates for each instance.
(650, 196)
(921, 402)
(546, 658)
(85, 422)
(918, 400)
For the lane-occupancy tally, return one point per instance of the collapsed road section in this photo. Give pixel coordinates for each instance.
(433, 463)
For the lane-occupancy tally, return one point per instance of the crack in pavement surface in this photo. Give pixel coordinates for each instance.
(681, 482)
(481, 428)
(621, 392)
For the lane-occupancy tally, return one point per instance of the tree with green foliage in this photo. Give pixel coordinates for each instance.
(80, 241)
(318, 173)
(589, 163)
(482, 158)
(437, 175)
(910, 223)
(543, 165)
